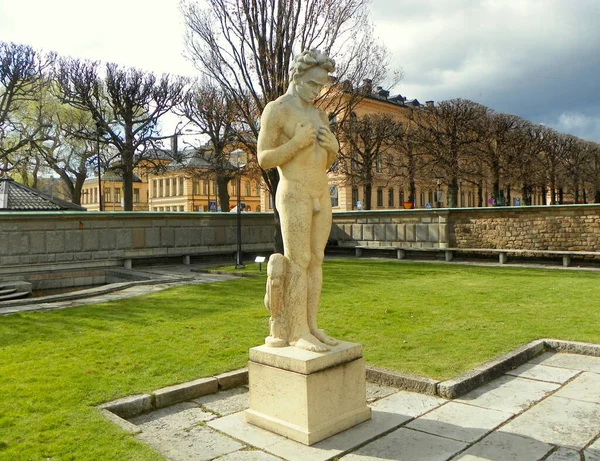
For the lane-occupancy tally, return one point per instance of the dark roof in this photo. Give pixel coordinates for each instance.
(17, 197)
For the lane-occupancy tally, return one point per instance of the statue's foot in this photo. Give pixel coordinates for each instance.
(310, 343)
(322, 336)
(275, 342)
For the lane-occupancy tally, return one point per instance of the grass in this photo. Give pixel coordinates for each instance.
(433, 320)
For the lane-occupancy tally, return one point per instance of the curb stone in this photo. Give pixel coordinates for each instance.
(132, 406)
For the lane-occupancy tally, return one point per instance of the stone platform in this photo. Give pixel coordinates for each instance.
(307, 396)
(546, 409)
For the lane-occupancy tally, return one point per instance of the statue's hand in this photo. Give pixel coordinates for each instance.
(327, 139)
(304, 134)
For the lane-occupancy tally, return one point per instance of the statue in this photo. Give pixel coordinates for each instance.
(295, 137)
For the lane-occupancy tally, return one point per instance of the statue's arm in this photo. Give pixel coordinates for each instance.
(327, 140)
(271, 151)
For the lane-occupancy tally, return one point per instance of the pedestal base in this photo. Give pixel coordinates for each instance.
(307, 396)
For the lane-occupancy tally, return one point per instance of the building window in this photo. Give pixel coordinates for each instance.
(136, 195)
(204, 187)
(258, 190)
(333, 193)
(470, 199)
(106, 195)
(270, 201)
(195, 186)
(430, 197)
(247, 189)
(401, 196)
(167, 187)
(155, 188)
(234, 187)
(354, 196)
(181, 208)
(378, 163)
(154, 209)
(391, 197)
(181, 182)
(379, 196)
(117, 195)
(161, 188)
(422, 199)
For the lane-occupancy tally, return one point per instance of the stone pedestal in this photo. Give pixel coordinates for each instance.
(307, 396)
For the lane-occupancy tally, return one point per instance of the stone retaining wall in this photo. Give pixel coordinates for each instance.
(569, 228)
(52, 241)
(70, 240)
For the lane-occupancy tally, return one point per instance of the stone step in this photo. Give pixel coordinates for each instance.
(5, 290)
(15, 295)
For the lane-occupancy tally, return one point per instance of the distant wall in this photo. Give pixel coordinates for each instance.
(65, 240)
(71, 240)
(566, 227)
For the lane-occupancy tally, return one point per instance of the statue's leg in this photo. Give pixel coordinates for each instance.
(295, 228)
(321, 227)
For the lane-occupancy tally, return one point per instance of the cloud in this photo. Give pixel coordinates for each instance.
(578, 124)
(533, 58)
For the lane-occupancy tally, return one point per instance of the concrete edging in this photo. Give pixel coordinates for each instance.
(129, 407)
(120, 410)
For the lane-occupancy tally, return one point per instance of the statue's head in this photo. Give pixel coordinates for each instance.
(309, 72)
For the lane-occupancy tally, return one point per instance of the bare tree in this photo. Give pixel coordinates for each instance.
(247, 46)
(21, 74)
(213, 113)
(125, 105)
(368, 151)
(494, 150)
(448, 133)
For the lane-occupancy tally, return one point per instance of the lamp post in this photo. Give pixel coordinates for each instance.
(98, 133)
(238, 257)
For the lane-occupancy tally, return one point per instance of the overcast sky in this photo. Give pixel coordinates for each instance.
(539, 59)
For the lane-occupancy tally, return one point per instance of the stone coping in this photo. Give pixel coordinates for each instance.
(303, 361)
(120, 410)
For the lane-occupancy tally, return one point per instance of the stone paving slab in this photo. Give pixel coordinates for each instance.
(543, 373)
(500, 446)
(592, 453)
(407, 445)
(458, 421)
(225, 402)
(197, 444)
(408, 404)
(173, 418)
(564, 454)
(571, 361)
(560, 421)
(585, 387)
(249, 455)
(236, 426)
(509, 394)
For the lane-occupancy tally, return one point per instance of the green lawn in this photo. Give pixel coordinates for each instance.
(433, 320)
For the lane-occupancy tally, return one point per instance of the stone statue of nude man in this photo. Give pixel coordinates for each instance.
(295, 138)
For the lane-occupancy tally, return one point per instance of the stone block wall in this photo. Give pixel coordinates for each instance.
(40, 241)
(409, 228)
(568, 227)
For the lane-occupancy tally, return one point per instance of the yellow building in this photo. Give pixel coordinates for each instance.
(111, 185)
(389, 192)
(171, 188)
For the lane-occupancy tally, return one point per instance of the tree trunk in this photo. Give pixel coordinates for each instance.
(368, 190)
(222, 182)
(597, 196)
(480, 198)
(544, 195)
(272, 179)
(508, 196)
(561, 195)
(453, 193)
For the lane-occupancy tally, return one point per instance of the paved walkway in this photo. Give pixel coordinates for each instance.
(547, 409)
(167, 276)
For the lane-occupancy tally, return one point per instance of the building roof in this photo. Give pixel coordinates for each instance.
(17, 197)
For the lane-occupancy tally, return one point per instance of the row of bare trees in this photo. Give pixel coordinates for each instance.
(460, 141)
